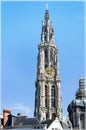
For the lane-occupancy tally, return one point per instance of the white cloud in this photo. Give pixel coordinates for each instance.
(24, 110)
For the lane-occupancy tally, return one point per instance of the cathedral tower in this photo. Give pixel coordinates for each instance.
(48, 98)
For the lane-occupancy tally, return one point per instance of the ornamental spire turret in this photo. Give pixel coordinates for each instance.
(47, 35)
(81, 93)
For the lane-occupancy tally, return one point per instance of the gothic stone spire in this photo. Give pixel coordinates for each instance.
(48, 97)
(47, 35)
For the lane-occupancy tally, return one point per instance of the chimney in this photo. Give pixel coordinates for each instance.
(19, 114)
(6, 112)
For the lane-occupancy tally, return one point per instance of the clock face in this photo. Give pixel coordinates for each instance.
(49, 72)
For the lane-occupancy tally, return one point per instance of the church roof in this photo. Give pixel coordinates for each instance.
(80, 100)
(77, 103)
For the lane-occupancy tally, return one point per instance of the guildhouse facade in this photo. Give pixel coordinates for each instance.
(48, 97)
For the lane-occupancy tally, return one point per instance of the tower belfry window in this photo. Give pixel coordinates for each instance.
(45, 90)
(53, 91)
(45, 95)
(45, 102)
(52, 102)
(51, 54)
(46, 55)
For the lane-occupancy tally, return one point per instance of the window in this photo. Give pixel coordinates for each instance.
(46, 55)
(47, 116)
(53, 91)
(53, 115)
(46, 65)
(51, 55)
(82, 121)
(55, 129)
(45, 91)
(45, 95)
(52, 102)
(45, 102)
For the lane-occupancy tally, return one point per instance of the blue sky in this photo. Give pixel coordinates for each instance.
(21, 34)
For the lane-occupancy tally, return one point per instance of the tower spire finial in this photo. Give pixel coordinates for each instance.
(46, 6)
